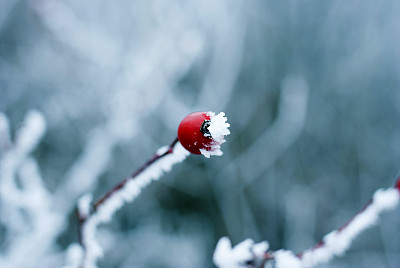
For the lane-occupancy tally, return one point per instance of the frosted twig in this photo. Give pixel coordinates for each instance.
(27, 138)
(335, 243)
(27, 205)
(126, 191)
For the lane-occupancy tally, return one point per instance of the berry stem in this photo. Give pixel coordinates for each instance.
(133, 175)
(83, 217)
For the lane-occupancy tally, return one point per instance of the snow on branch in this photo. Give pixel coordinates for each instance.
(90, 216)
(13, 155)
(244, 254)
(26, 204)
(196, 131)
(336, 243)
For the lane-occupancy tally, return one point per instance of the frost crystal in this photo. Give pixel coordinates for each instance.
(126, 194)
(335, 243)
(227, 257)
(218, 129)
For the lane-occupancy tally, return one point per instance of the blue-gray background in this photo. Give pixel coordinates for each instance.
(311, 89)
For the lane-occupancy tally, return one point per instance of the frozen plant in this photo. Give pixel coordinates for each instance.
(26, 204)
(336, 243)
(203, 131)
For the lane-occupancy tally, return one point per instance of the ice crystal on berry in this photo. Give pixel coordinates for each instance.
(218, 129)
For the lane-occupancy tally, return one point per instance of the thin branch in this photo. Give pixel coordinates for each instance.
(321, 243)
(364, 219)
(135, 174)
(335, 243)
(89, 217)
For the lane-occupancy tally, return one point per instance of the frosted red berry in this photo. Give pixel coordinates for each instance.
(193, 133)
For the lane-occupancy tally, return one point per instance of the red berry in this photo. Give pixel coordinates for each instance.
(193, 133)
(398, 184)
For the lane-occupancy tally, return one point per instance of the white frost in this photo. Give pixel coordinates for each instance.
(28, 212)
(227, 257)
(128, 193)
(337, 242)
(84, 205)
(218, 129)
(31, 132)
(286, 259)
(74, 256)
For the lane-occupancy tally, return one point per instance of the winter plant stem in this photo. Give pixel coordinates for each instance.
(321, 243)
(256, 255)
(85, 215)
(92, 214)
(268, 256)
(134, 175)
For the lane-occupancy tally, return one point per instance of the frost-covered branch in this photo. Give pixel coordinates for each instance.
(336, 243)
(26, 203)
(126, 191)
(198, 133)
(13, 155)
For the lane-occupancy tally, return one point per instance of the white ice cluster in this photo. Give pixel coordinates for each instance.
(218, 129)
(128, 193)
(334, 244)
(227, 257)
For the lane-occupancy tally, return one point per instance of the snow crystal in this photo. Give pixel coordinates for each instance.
(334, 243)
(84, 205)
(218, 129)
(227, 257)
(128, 193)
(162, 150)
(74, 256)
(337, 242)
(386, 199)
(286, 259)
(260, 248)
(31, 132)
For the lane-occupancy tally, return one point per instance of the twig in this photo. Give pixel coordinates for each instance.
(333, 244)
(133, 175)
(89, 216)
(382, 200)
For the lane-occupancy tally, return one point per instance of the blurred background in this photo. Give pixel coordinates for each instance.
(311, 90)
